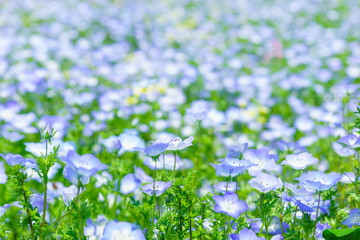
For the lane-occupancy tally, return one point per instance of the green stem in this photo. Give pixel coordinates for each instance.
(317, 213)
(28, 212)
(66, 214)
(294, 222)
(174, 165)
(115, 201)
(154, 200)
(45, 199)
(45, 187)
(158, 205)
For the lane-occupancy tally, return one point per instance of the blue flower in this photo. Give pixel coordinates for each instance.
(304, 207)
(69, 194)
(290, 147)
(37, 201)
(199, 109)
(319, 230)
(221, 187)
(264, 182)
(140, 174)
(229, 204)
(348, 177)
(160, 188)
(299, 161)
(17, 159)
(129, 184)
(262, 159)
(351, 140)
(341, 150)
(318, 180)
(236, 152)
(81, 167)
(231, 167)
(130, 139)
(246, 234)
(353, 218)
(112, 144)
(122, 231)
(154, 150)
(178, 144)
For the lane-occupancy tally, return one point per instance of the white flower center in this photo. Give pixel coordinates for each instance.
(124, 234)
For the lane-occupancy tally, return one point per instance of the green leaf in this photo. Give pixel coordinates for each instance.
(345, 234)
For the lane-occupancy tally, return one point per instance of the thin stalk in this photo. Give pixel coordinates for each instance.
(66, 214)
(45, 187)
(228, 230)
(154, 200)
(28, 212)
(158, 206)
(262, 215)
(236, 184)
(174, 164)
(115, 201)
(189, 208)
(164, 163)
(45, 199)
(294, 222)
(180, 217)
(317, 213)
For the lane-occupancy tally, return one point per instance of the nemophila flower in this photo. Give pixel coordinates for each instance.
(299, 161)
(37, 201)
(304, 207)
(178, 144)
(199, 109)
(311, 201)
(320, 227)
(112, 144)
(246, 234)
(239, 165)
(17, 159)
(122, 231)
(262, 159)
(94, 230)
(348, 177)
(227, 170)
(304, 124)
(236, 152)
(318, 180)
(299, 191)
(154, 150)
(130, 140)
(160, 188)
(140, 174)
(224, 187)
(7, 206)
(69, 194)
(264, 182)
(81, 167)
(351, 140)
(341, 150)
(129, 184)
(353, 218)
(229, 204)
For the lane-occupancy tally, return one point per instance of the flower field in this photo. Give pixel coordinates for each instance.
(177, 120)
